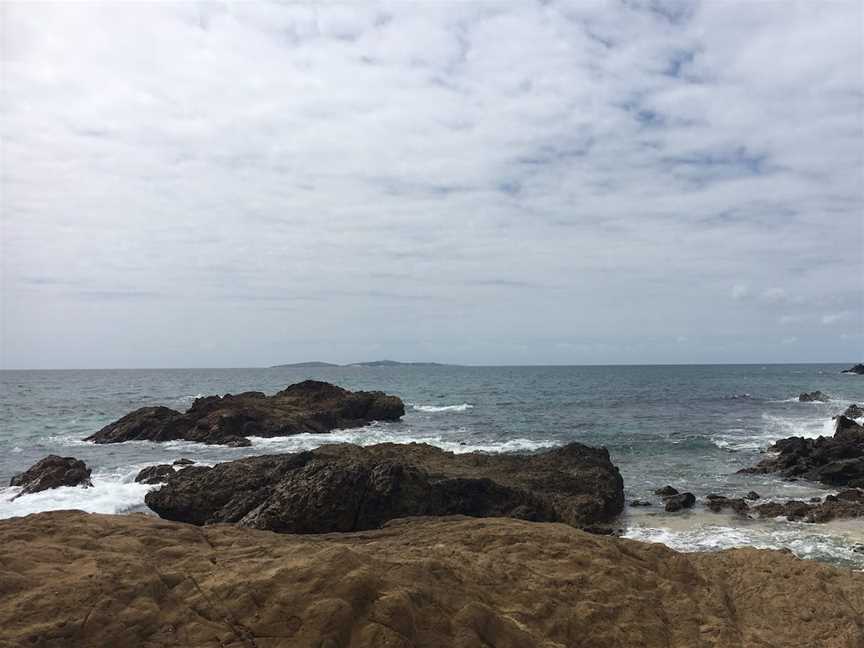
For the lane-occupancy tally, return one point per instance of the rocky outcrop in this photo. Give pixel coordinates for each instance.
(74, 580)
(154, 474)
(846, 504)
(855, 369)
(837, 460)
(307, 407)
(349, 488)
(853, 412)
(52, 472)
(814, 396)
(666, 491)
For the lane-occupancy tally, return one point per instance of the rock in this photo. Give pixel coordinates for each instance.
(858, 548)
(855, 369)
(847, 504)
(52, 472)
(678, 502)
(815, 499)
(77, 580)
(854, 411)
(752, 495)
(814, 396)
(717, 503)
(154, 474)
(836, 461)
(637, 503)
(183, 462)
(307, 407)
(347, 488)
(666, 491)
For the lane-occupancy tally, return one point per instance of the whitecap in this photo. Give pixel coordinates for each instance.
(462, 407)
(114, 492)
(453, 440)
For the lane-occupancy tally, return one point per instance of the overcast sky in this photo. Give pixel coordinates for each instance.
(507, 183)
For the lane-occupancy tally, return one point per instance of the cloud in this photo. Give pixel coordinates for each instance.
(393, 175)
(833, 318)
(740, 291)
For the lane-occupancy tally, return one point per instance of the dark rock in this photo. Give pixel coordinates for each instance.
(183, 462)
(154, 474)
(717, 503)
(347, 488)
(310, 407)
(53, 472)
(837, 460)
(848, 504)
(678, 502)
(814, 396)
(666, 491)
(856, 369)
(853, 411)
(752, 495)
(815, 499)
(858, 548)
(637, 502)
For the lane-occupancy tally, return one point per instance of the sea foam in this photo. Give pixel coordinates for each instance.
(462, 407)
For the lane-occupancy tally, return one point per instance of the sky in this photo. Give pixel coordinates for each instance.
(212, 185)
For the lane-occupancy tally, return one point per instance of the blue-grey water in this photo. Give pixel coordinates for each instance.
(689, 426)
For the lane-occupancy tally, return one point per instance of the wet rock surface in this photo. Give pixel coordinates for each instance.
(814, 396)
(154, 474)
(307, 407)
(679, 502)
(73, 580)
(855, 369)
(52, 472)
(347, 488)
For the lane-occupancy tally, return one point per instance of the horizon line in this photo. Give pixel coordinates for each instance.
(427, 364)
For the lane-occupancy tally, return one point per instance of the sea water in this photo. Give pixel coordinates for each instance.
(692, 427)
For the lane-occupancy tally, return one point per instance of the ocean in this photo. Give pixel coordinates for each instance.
(691, 427)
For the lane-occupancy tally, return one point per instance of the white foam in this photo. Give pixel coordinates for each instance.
(776, 428)
(453, 440)
(462, 407)
(111, 493)
(804, 542)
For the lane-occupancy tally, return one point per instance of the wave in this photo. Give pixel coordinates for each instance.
(804, 543)
(776, 428)
(453, 440)
(462, 407)
(114, 492)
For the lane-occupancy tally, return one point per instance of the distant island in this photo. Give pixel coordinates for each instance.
(371, 363)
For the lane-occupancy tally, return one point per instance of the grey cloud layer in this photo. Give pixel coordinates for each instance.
(554, 182)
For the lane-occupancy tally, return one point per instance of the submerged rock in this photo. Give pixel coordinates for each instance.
(426, 582)
(814, 396)
(718, 503)
(837, 460)
(666, 491)
(752, 495)
(154, 474)
(679, 502)
(52, 472)
(307, 407)
(348, 488)
(183, 462)
(637, 503)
